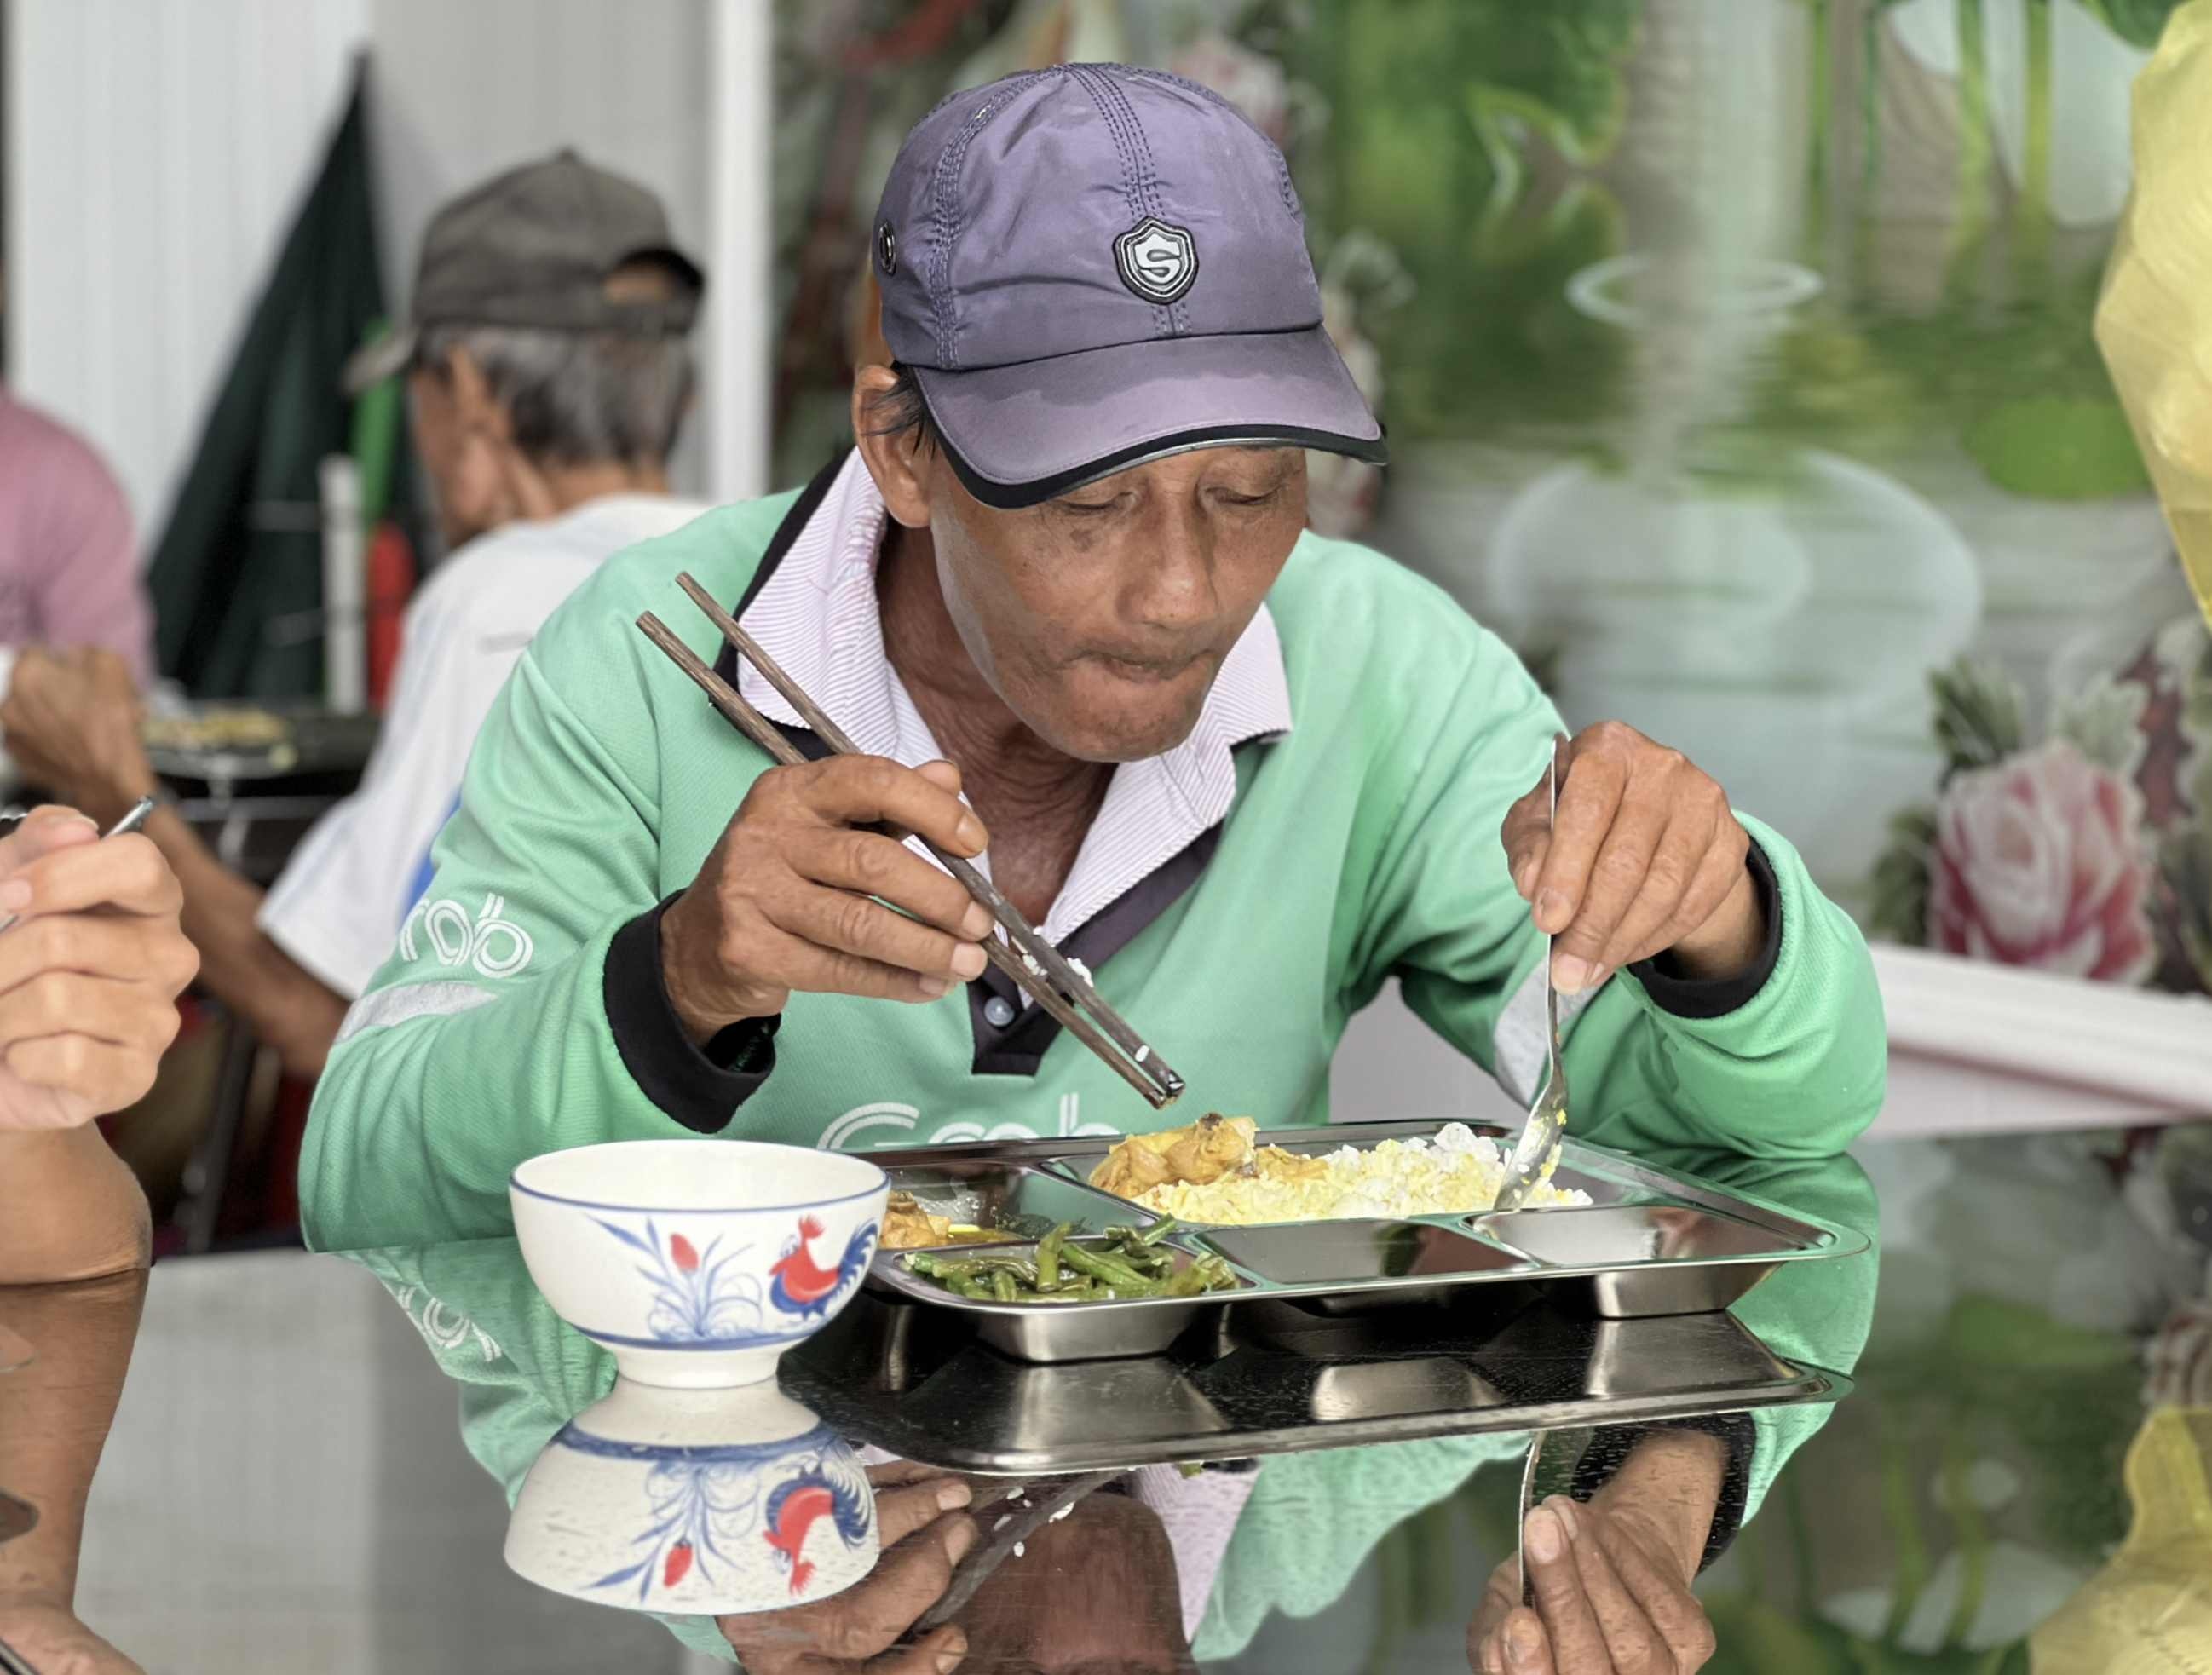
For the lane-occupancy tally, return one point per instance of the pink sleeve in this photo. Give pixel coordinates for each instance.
(84, 577)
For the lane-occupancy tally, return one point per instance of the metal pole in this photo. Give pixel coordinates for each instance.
(736, 359)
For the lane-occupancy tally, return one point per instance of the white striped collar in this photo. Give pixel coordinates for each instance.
(817, 616)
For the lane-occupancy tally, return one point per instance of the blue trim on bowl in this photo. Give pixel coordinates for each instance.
(699, 1343)
(514, 1186)
(820, 1439)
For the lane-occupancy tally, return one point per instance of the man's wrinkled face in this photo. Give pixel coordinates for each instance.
(1103, 617)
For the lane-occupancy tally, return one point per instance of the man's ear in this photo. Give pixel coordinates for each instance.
(474, 405)
(894, 461)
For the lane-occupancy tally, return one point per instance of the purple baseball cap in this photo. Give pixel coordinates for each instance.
(1094, 266)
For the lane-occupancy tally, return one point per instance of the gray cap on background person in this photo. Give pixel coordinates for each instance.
(1093, 265)
(535, 247)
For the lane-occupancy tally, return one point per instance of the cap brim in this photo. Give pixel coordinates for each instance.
(372, 363)
(1018, 435)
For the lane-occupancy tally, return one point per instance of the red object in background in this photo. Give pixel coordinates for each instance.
(390, 585)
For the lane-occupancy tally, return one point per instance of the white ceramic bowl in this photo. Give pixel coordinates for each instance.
(707, 1500)
(697, 1262)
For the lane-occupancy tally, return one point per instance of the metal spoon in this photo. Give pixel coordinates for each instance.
(1547, 1118)
(129, 822)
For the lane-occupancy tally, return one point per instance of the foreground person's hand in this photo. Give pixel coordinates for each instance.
(90, 972)
(784, 900)
(1611, 1575)
(924, 1534)
(1646, 858)
(71, 720)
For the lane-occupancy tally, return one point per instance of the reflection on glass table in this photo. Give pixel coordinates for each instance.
(285, 1487)
(2027, 1459)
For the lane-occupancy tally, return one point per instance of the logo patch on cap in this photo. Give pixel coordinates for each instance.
(1157, 260)
(887, 250)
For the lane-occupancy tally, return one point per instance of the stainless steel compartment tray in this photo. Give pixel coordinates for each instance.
(1007, 1194)
(1273, 1380)
(1652, 1242)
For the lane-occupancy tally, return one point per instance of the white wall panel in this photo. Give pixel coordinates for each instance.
(156, 152)
(737, 359)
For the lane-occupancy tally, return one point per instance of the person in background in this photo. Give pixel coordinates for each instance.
(69, 564)
(548, 374)
(90, 975)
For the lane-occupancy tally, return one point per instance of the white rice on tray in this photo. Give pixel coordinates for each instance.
(1456, 1171)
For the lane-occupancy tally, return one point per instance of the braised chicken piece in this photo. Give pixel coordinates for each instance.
(908, 1226)
(1197, 1153)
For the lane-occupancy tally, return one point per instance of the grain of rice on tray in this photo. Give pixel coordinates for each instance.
(1457, 1172)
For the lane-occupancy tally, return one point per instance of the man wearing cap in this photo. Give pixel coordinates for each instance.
(548, 374)
(1061, 596)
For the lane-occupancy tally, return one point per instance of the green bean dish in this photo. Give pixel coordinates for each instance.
(1122, 1262)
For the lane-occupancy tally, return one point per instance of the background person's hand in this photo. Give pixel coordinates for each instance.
(70, 721)
(792, 896)
(924, 1534)
(90, 974)
(1646, 858)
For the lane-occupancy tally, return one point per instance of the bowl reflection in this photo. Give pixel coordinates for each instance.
(694, 1500)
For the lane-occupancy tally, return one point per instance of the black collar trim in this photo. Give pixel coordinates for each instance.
(779, 545)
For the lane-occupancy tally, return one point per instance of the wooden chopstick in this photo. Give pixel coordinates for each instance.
(1055, 967)
(1137, 1072)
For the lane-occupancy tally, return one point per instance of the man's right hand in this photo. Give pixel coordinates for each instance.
(794, 895)
(925, 1533)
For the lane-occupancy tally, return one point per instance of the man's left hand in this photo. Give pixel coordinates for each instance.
(70, 721)
(1646, 858)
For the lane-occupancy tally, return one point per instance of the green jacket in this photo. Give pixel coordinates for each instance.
(1362, 843)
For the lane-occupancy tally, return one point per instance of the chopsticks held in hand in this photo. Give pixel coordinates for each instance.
(1034, 964)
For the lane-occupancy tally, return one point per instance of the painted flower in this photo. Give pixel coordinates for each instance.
(702, 1511)
(699, 1296)
(2037, 862)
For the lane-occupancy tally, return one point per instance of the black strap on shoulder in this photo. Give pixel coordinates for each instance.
(785, 538)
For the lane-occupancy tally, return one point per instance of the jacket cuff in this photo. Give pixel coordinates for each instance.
(699, 1087)
(1609, 1447)
(1716, 996)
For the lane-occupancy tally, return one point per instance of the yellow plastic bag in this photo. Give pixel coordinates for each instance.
(2149, 1611)
(2155, 318)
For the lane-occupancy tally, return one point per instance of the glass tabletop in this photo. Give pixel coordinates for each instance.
(286, 1475)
